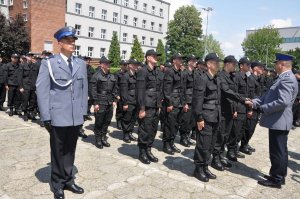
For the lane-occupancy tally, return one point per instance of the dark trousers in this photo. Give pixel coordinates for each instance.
(223, 136)
(162, 116)
(29, 100)
(14, 97)
(278, 153)
(119, 111)
(103, 119)
(296, 110)
(90, 103)
(129, 118)
(186, 122)
(2, 94)
(63, 142)
(173, 121)
(148, 128)
(205, 143)
(236, 132)
(249, 129)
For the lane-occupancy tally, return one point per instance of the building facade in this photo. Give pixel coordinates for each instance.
(95, 21)
(290, 36)
(4, 7)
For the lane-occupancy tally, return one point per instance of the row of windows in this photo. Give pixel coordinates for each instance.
(291, 40)
(135, 20)
(3, 2)
(103, 35)
(78, 8)
(90, 52)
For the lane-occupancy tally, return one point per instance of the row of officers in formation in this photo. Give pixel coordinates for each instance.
(187, 95)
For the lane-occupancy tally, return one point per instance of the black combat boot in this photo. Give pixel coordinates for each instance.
(131, 137)
(199, 173)
(231, 155)
(25, 118)
(193, 135)
(143, 156)
(2, 108)
(126, 137)
(208, 173)
(11, 112)
(32, 116)
(104, 140)
(98, 141)
(167, 148)
(119, 126)
(174, 148)
(151, 157)
(225, 162)
(184, 140)
(216, 163)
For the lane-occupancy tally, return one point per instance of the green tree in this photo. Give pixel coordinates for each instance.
(296, 54)
(14, 36)
(214, 46)
(185, 32)
(262, 44)
(136, 51)
(161, 50)
(114, 51)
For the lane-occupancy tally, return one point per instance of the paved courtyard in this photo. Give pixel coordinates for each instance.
(115, 172)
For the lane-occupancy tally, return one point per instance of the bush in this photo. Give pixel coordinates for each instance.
(114, 70)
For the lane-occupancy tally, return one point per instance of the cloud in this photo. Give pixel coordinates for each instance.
(232, 46)
(227, 45)
(281, 23)
(214, 33)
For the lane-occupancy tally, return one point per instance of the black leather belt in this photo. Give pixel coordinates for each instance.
(105, 92)
(176, 90)
(211, 102)
(151, 89)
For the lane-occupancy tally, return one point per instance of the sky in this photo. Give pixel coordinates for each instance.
(230, 19)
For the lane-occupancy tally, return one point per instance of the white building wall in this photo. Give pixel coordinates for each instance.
(96, 42)
(4, 8)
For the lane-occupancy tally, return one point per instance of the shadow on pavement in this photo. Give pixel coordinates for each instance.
(184, 165)
(130, 150)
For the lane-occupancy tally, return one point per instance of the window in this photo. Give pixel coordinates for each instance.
(91, 11)
(144, 23)
(160, 27)
(2, 2)
(161, 12)
(102, 52)
(103, 15)
(136, 4)
(103, 34)
(143, 40)
(116, 1)
(153, 10)
(145, 7)
(134, 37)
(91, 32)
(78, 8)
(126, 3)
(77, 50)
(48, 45)
(90, 51)
(152, 25)
(125, 19)
(25, 17)
(124, 54)
(25, 4)
(78, 29)
(11, 2)
(115, 17)
(151, 41)
(135, 21)
(124, 37)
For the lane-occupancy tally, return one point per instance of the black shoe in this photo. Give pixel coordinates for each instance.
(191, 143)
(119, 126)
(25, 118)
(2, 108)
(98, 142)
(208, 173)
(251, 148)
(82, 134)
(74, 188)
(131, 137)
(167, 148)
(104, 141)
(216, 164)
(193, 135)
(231, 156)
(239, 155)
(245, 150)
(87, 117)
(269, 183)
(199, 174)
(184, 141)
(174, 148)
(151, 157)
(11, 112)
(143, 156)
(270, 178)
(59, 194)
(297, 123)
(31, 116)
(126, 138)
(226, 163)
(42, 124)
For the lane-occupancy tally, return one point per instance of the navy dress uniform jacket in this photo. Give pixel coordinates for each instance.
(64, 106)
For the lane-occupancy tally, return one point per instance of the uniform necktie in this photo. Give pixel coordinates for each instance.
(70, 65)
